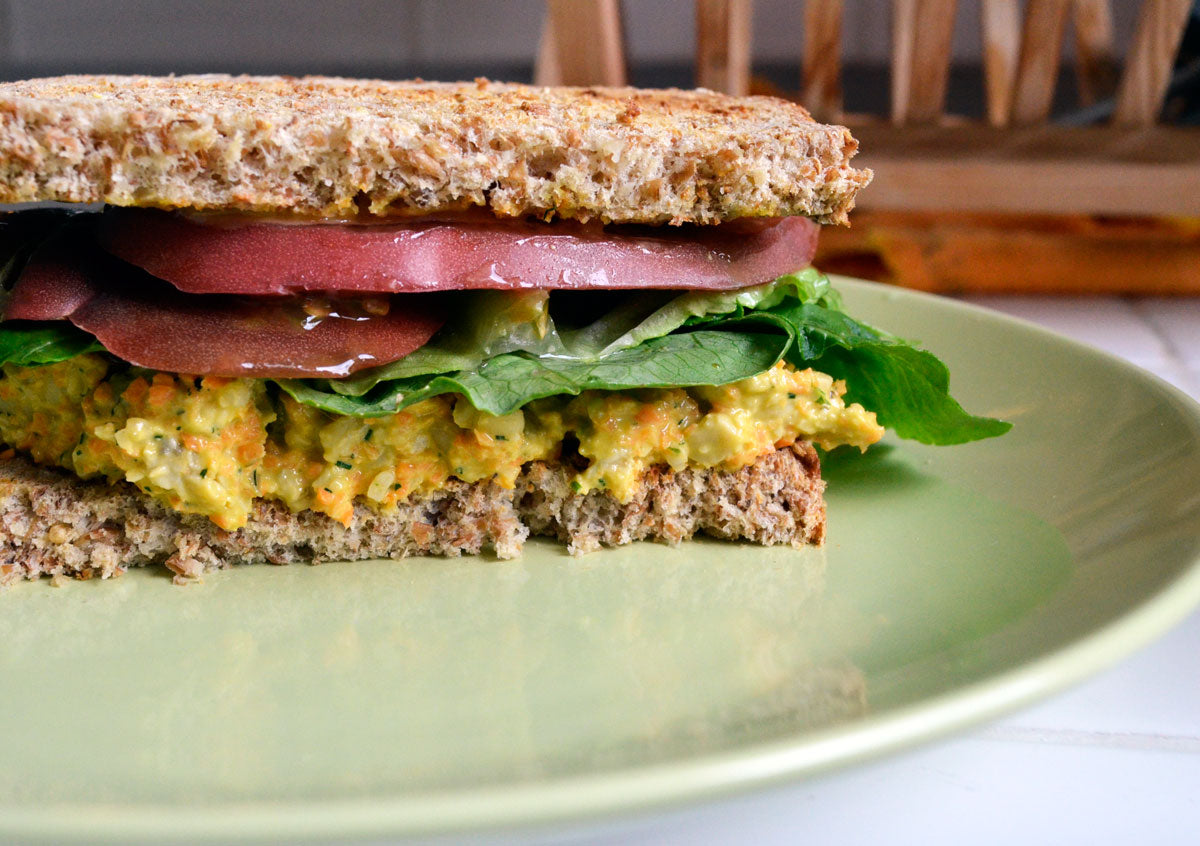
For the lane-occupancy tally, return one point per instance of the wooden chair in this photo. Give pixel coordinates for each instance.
(1008, 203)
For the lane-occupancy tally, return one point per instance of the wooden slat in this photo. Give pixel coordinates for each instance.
(1037, 67)
(581, 44)
(934, 27)
(723, 45)
(1148, 66)
(904, 35)
(1000, 21)
(546, 70)
(1150, 171)
(821, 88)
(1095, 56)
(1016, 253)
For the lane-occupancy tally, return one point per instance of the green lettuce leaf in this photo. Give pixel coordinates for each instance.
(27, 343)
(907, 388)
(488, 323)
(506, 382)
(491, 323)
(649, 316)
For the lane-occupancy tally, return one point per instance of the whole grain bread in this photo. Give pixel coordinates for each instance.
(335, 147)
(54, 524)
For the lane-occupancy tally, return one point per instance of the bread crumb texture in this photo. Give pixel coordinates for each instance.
(54, 524)
(340, 147)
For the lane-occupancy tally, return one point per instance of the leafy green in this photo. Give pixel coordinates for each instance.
(616, 330)
(490, 323)
(909, 391)
(486, 324)
(506, 382)
(650, 340)
(907, 388)
(27, 343)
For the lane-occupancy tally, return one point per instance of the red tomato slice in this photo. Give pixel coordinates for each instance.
(52, 286)
(436, 255)
(149, 323)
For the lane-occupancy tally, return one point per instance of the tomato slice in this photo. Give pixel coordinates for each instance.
(239, 256)
(147, 322)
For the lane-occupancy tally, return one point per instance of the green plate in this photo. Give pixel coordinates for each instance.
(381, 699)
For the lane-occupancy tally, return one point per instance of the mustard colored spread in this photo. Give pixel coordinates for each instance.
(211, 445)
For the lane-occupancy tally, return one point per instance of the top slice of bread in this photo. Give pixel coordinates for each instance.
(337, 147)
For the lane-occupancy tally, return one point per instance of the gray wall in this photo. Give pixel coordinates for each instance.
(163, 35)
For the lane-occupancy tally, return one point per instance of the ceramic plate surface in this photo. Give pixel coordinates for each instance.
(380, 699)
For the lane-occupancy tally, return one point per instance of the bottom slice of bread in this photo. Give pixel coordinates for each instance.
(54, 524)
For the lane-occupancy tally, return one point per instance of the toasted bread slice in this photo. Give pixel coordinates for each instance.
(337, 147)
(54, 524)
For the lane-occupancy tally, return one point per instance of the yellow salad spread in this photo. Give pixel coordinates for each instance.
(211, 445)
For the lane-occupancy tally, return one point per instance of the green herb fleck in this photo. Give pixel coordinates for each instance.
(344, 465)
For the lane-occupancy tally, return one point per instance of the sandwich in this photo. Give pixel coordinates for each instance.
(253, 319)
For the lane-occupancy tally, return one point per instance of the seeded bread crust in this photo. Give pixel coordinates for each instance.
(336, 147)
(53, 524)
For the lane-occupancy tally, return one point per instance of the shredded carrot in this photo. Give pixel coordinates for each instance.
(248, 453)
(648, 415)
(103, 393)
(137, 391)
(160, 395)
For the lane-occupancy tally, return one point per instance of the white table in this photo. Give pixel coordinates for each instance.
(1116, 760)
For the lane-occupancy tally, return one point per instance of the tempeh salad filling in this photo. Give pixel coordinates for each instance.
(211, 445)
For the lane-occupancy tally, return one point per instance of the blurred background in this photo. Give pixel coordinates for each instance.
(454, 39)
(1048, 146)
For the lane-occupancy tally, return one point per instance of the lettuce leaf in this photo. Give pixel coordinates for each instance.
(907, 388)
(491, 323)
(506, 382)
(28, 343)
(690, 339)
(607, 335)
